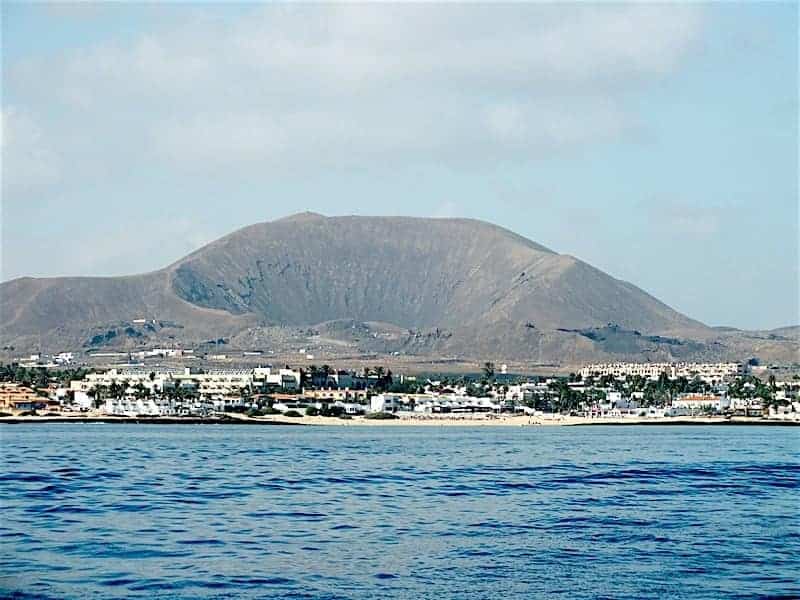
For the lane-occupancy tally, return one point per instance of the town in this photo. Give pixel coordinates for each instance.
(602, 392)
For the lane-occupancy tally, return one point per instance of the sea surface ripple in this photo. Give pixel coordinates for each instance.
(156, 511)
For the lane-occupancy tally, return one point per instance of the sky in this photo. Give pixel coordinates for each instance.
(657, 142)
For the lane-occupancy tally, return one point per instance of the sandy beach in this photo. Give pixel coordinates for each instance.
(444, 420)
(518, 421)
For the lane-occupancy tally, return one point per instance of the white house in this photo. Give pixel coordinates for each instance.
(287, 379)
(131, 407)
(790, 412)
(83, 400)
(386, 403)
(746, 405)
(700, 403)
(350, 408)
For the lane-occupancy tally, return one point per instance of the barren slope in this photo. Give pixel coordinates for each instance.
(438, 285)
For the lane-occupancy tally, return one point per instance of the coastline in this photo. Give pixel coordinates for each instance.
(109, 419)
(416, 421)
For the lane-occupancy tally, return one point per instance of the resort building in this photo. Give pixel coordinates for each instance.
(747, 406)
(389, 403)
(286, 379)
(712, 373)
(789, 412)
(213, 383)
(157, 407)
(16, 397)
(700, 403)
(436, 403)
(336, 395)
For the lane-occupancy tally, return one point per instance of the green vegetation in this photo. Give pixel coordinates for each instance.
(327, 410)
(39, 377)
(488, 370)
(407, 387)
(260, 412)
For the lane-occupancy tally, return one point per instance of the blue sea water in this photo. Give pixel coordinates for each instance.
(155, 511)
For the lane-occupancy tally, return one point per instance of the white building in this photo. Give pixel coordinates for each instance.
(64, 358)
(215, 383)
(386, 403)
(699, 403)
(790, 412)
(133, 407)
(351, 408)
(452, 403)
(287, 379)
(711, 373)
(295, 405)
(83, 400)
(615, 406)
(746, 405)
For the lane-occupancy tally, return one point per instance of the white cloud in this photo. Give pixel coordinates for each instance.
(27, 159)
(121, 249)
(318, 85)
(687, 220)
(552, 127)
(446, 209)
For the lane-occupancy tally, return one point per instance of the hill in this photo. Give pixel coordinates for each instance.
(433, 286)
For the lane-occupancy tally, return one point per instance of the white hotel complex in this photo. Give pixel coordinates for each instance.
(709, 372)
(212, 384)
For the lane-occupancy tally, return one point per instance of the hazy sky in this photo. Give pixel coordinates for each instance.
(656, 142)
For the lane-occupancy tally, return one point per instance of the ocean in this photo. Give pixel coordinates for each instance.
(226, 511)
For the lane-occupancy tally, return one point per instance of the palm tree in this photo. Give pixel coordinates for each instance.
(140, 391)
(245, 393)
(97, 394)
(488, 369)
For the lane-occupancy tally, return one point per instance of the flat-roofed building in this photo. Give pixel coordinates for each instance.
(17, 397)
(701, 403)
(709, 372)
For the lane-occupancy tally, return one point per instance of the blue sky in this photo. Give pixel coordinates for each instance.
(656, 142)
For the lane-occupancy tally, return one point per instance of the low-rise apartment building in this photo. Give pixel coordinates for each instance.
(214, 383)
(700, 403)
(711, 373)
(336, 395)
(434, 403)
(16, 397)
